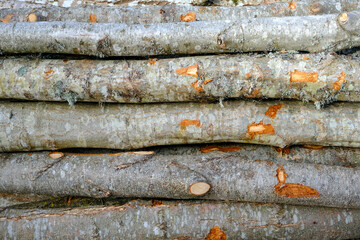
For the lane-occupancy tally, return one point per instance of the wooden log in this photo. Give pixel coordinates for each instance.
(116, 3)
(204, 176)
(182, 220)
(39, 126)
(321, 78)
(334, 156)
(301, 33)
(172, 13)
(308, 154)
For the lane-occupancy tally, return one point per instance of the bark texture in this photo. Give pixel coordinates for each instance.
(332, 156)
(155, 175)
(73, 3)
(38, 126)
(305, 33)
(181, 220)
(172, 13)
(157, 80)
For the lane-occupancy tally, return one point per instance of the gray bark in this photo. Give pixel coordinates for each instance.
(305, 33)
(140, 81)
(172, 13)
(39, 126)
(170, 176)
(181, 220)
(332, 156)
(73, 3)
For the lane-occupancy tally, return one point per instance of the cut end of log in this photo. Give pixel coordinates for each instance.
(32, 17)
(199, 188)
(56, 155)
(303, 77)
(343, 18)
(216, 234)
(190, 71)
(189, 17)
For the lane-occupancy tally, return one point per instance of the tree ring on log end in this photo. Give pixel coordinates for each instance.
(199, 188)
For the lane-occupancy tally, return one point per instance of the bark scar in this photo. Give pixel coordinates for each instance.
(292, 189)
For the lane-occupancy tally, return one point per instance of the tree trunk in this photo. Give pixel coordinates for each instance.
(310, 33)
(181, 220)
(173, 13)
(333, 77)
(40, 126)
(152, 175)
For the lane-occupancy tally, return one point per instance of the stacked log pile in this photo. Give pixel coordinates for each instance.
(182, 119)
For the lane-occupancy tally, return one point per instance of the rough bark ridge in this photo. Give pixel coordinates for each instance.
(173, 13)
(40, 126)
(136, 175)
(321, 78)
(182, 220)
(305, 33)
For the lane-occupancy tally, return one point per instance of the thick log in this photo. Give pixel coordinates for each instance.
(114, 3)
(39, 126)
(181, 220)
(330, 32)
(321, 78)
(174, 13)
(153, 175)
(309, 154)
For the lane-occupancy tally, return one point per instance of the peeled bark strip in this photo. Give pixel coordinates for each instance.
(40, 126)
(305, 33)
(173, 13)
(321, 78)
(182, 220)
(155, 175)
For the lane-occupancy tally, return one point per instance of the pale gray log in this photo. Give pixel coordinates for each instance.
(181, 220)
(172, 13)
(73, 3)
(170, 176)
(37, 126)
(141, 81)
(305, 33)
